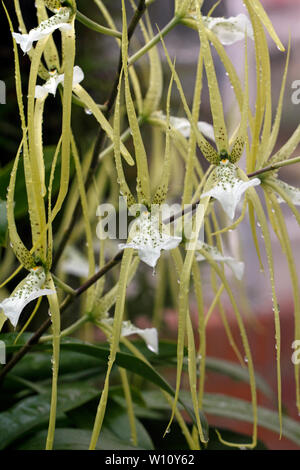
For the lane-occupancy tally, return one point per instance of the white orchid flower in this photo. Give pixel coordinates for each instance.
(55, 79)
(292, 192)
(149, 335)
(58, 21)
(183, 125)
(237, 267)
(228, 188)
(228, 30)
(29, 289)
(149, 239)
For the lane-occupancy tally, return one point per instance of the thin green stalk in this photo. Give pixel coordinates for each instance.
(96, 26)
(55, 318)
(68, 331)
(155, 40)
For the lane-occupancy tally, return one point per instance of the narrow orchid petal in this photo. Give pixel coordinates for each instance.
(149, 335)
(40, 92)
(230, 30)
(206, 129)
(228, 188)
(51, 85)
(78, 75)
(149, 240)
(292, 192)
(237, 267)
(29, 289)
(58, 21)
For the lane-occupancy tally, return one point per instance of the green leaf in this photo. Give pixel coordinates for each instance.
(235, 408)
(236, 372)
(125, 360)
(3, 223)
(33, 412)
(76, 439)
(38, 365)
(116, 420)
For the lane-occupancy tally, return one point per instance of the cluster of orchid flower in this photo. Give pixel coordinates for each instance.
(226, 186)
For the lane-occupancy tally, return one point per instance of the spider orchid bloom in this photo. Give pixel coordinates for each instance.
(149, 239)
(183, 125)
(55, 79)
(227, 30)
(29, 289)
(149, 335)
(228, 188)
(230, 30)
(237, 267)
(58, 21)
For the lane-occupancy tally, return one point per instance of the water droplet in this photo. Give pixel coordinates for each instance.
(246, 359)
(88, 111)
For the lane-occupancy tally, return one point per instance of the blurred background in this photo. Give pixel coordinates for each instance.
(98, 57)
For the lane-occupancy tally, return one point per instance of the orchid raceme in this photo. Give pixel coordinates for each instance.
(58, 21)
(55, 79)
(228, 188)
(237, 267)
(31, 288)
(150, 239)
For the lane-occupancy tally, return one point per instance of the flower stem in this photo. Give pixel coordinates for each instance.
(275, 166)
(169, 26)
(68, 331)
(97, 27)
(63, 285)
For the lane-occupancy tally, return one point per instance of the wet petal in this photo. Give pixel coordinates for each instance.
(149, 240)
(184, 127)
(29, 289)
(228, 188)
(58, 21)
(51, 85)
(149, 335)
(230, 30)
